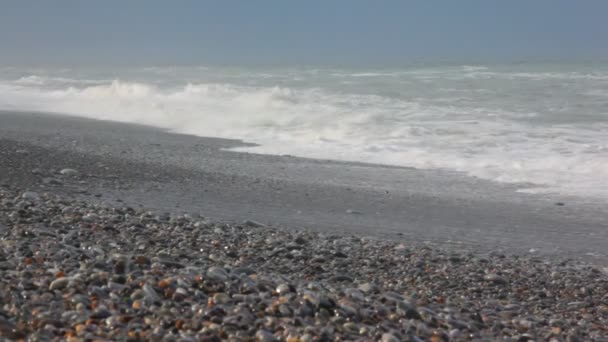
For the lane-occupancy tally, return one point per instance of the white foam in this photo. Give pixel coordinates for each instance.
(36, 80)
(539, 76)
(485, 142)
(474, 67)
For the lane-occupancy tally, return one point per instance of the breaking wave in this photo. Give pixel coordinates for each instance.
(465, 133)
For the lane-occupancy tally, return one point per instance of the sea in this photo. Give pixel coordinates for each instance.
(541, 126)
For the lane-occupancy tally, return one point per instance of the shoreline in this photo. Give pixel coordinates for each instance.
(116, 232)
(154, 169)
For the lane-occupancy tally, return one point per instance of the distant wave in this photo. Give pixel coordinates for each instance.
(44, 80)
(474, 67)
(539, 75)
(368, 74)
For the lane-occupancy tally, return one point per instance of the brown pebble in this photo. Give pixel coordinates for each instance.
(164, 283)
(142, 260)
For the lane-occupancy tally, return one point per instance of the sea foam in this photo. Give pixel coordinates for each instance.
(425, 118)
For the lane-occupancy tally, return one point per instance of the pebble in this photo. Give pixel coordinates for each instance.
(243, 270)
(9, 330)
(68, 172)
(217, 273)
(496, 279)
(251, 223)
(150, 294)
(386, 337)
(51, 181)
(341, 278)
(30, 196)
(59, 283)
(264, 336)
(283, 288)
(368, 288)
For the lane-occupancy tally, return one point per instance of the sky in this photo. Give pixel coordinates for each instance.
(372, 32)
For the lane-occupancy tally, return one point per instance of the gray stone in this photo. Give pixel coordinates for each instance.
(51, 181)
(264, 336)
(252, 223)
(59, 283)
(30, 196)
(150, 294)
(368, 288)
(386, 337)
(494, 278)
(217, 273)
(68, 172)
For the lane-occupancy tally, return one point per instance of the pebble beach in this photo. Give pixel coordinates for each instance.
(82, 258)
(75, 271)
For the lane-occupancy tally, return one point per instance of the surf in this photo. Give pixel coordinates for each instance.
(422, 117)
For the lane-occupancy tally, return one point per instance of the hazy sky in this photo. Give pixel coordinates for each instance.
(298, 32)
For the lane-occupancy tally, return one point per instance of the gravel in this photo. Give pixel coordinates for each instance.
(75, 270)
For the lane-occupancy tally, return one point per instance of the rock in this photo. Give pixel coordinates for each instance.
(217, 273)
(412, 313)
(264, 336)
(342, 278)
(368, 288)
(386, 337)
(312, 298)
(294, 247)
(454, 334)
(221, 298)
(68, 172)
(355, 294)
(455, 259)
(100, 314)
(90, 217)
(59, 283)
(401, 247)
(243, 270)
(171, 263)
(51, 181)
(120, 267)
(150, 294)
(9, 330)
(494, 278)
(30, 196)
(283, 288)
(340, 255)
(254, 224)
(142, 260)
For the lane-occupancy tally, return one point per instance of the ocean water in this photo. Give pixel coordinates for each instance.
(542, 126)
